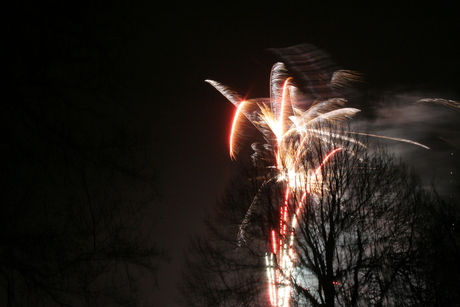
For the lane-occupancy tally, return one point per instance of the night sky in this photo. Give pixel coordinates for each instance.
(170, 49)
(400, 48)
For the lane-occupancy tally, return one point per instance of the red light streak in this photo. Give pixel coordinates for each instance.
(328, 156)
(234, 127)
(274, 245)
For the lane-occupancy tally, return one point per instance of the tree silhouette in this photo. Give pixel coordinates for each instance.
(76, 179)
(219, 271)
(359, 240)
(440, 248)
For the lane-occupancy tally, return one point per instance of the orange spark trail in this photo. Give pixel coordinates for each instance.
(282, 110)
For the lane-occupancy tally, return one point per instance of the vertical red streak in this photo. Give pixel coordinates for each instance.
(281, 220)
(274, 245)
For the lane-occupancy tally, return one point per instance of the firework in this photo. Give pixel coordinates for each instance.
(288, 131)
(291, 122)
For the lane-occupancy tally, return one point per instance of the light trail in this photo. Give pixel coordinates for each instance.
(291, 134)
(236, 118)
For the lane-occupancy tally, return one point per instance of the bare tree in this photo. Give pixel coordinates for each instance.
(223, 269)
(440, 247)
(76, 179)
(338, 221)
(356, 244)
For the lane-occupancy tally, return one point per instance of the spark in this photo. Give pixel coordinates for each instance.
(234, 127)
(444, 102)
(291, 132)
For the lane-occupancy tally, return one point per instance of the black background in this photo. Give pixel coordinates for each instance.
(171, 48)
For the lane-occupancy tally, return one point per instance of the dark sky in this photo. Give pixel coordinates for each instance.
(395, 47)
(174, 47)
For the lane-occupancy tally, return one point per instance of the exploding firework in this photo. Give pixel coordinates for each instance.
(291, 121)
(288, 131)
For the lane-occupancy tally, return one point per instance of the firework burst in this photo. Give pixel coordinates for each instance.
(290, 130)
